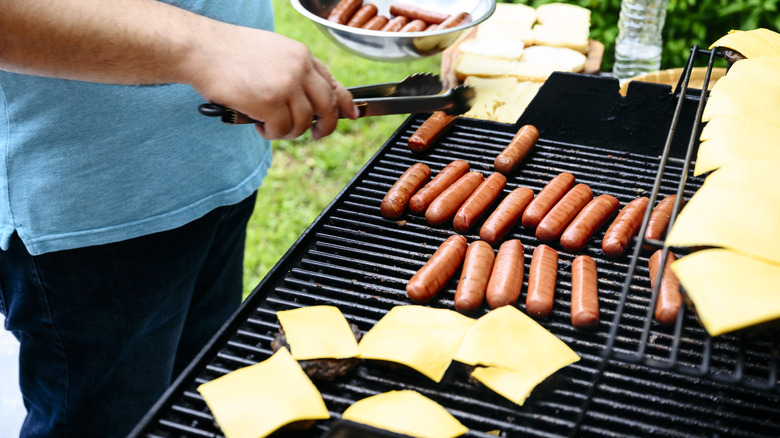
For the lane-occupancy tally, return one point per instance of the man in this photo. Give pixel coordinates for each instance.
(123, 210)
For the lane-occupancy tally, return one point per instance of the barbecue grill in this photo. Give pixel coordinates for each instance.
(636, 376)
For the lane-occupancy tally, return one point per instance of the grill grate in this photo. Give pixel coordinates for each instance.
(632, 380)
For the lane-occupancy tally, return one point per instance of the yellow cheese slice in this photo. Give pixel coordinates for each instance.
(257, 400)
(728, 139)
(405, 412)
(736, 208)
(422, 338)
(513, 385)
(730, 290)
(748, 175)
(752, 43)
(749, 98)
(318, 332)
(762, 69)
(515, 350)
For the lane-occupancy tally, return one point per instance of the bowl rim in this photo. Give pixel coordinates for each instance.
(378, 33)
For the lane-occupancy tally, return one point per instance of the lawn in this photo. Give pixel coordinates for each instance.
(306, 174)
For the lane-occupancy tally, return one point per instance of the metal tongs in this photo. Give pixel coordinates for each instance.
(417, 93)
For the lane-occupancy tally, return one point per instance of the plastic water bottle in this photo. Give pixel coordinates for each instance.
(638, 45)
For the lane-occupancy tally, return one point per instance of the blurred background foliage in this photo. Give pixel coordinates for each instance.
(688, 22)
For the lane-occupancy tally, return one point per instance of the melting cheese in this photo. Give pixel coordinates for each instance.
(752, 43)
(730, 290)
(257, 400)
(318, 332)
(728, 139)
(405, 412)
(761, 69)
(738, 208)
(514, 353)
(422, 338)
(753, 98)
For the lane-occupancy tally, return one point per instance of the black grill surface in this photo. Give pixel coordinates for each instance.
(638, 379)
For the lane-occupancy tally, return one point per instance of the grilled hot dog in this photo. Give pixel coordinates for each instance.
(445, 178)
(431, 130)
(669, 300)
(624, 227)
(560, 216)
(437, 271)
(479, 201)
(454, 20)
(414, 12)
(588, 221)
(584, 292)
(506, 215)
(506, 278)
(546, 199)
(395, 24)
(414, 26)
(361, 17)
(397, 198)
(541, 282)
(477, 265)
(659, 220)
(508, 160)
(444, 207)
(344, 10)
(376, 23)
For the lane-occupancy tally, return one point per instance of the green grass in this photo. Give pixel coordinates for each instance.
(306, 174)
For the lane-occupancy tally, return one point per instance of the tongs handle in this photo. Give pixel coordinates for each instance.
(418, 84)
(227, 115)
(232, 117)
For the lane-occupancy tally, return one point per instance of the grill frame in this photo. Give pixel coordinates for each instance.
(648, 395)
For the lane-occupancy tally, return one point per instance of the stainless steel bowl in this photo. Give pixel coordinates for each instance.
(395, 46)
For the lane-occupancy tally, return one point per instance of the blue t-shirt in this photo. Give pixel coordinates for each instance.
(87, 164)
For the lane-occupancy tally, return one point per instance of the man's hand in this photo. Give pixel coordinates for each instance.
(272, 79)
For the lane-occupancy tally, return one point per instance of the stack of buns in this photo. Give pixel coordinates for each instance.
(513, 52)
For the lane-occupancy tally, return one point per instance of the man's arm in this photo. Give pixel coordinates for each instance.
(262, 74)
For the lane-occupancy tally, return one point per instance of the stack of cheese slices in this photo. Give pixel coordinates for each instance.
(515, 50)
(734, 281)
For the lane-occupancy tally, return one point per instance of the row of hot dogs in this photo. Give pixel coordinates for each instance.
(403, 17)
(561, 211)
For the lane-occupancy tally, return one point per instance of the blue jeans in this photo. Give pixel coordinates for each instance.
(104, 330)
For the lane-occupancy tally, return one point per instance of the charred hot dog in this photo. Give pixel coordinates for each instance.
(445, 178)
(624, 227)
(506, 278)
(508, 160)
(506, 215)
(669, 300)
(546, 199)
(444, 207)
(344, 10)
(560, 216)
(541, 281)
(431, 130)
(479, 201)
(588, 221)
(477, 265)
(397, 198)
(437, 271)
(584, 292)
